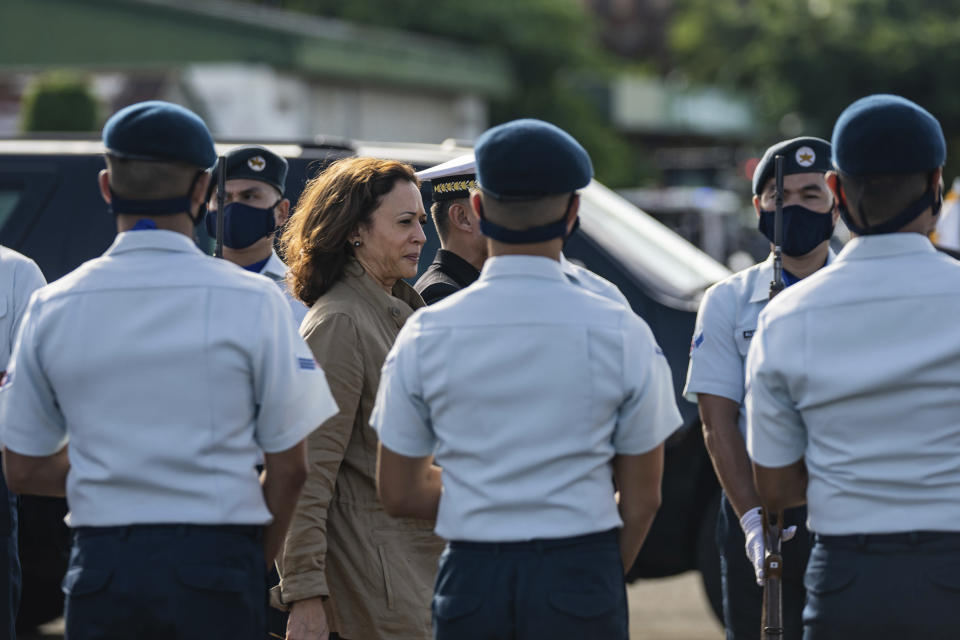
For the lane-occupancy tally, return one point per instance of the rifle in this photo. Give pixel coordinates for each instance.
(221, 199)
(772, 617)
(772, 611)
(776, 286)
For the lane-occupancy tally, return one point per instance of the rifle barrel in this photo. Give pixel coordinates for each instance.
(221, 199)
(776, 286)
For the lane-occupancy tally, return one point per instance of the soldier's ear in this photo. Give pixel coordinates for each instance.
(476, 201)
(756, 204)
(103, 181)
(833, 181)
(460, 218)
(281, 212)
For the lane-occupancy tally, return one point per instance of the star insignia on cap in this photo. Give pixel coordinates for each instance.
(805, 157)
(257, 163)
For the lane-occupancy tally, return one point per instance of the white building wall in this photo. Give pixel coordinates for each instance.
(255, 101)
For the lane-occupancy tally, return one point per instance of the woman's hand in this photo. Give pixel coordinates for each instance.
(308, 620)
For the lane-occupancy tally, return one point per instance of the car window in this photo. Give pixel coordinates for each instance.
(10, 195)
(644, 245)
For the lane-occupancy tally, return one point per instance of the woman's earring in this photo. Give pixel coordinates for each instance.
(356, 243)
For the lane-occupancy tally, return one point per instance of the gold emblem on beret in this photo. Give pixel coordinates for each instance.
(257, 163)
(806, 157)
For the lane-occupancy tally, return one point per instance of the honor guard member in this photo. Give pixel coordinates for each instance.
(462, 247)
(148, 361)
(853, 392)
(535, 396)
(724, 330)
(453, 182)
(255, 208)
(21, 277)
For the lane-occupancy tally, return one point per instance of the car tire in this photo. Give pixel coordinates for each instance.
(708, 556)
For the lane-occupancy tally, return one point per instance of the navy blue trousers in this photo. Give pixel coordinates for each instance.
(884, 587)
(170, 582)
(10, 577)
(742, 598)
(558, 589)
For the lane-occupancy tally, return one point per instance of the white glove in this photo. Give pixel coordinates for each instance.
(752, 525)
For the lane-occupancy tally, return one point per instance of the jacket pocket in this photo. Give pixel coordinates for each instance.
(83, 581)
(212, 578)
(387, 584)
(450, 608)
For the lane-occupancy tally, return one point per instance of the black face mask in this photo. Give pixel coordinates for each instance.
(242, 224)
(803, 229)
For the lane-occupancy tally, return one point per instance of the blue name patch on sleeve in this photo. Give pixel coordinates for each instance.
(308, 364)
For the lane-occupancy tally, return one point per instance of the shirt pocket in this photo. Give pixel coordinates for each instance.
(743, 336)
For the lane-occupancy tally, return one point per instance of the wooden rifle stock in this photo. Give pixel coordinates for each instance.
(772, 616)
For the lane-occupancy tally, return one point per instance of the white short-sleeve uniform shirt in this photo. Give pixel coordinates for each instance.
(725, 327)
(856, 370)
(167, 371)
(525, 386)
(20, 277)
(583, 277)
(276, 270)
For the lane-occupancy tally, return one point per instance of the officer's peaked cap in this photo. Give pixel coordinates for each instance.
(452, 179)
(254, 162)
(884, 134)
(800, 155)
(526, 159)
(160, 131)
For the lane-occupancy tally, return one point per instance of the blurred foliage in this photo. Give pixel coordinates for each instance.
(805, 61)
(553, 50)
(59, 101)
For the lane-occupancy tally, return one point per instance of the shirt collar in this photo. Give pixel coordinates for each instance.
(885, 245)
(154, 240)
(275, 268)
(398, 305)
(523, 266)
(761, 285)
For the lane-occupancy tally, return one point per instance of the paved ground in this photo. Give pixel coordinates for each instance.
(665, 609)
(671, 609)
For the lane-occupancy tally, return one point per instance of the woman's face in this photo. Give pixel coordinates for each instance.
(390, 247)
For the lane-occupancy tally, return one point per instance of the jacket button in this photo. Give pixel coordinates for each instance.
(394, 312)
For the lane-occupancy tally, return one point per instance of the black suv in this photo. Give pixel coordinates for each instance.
(51, 210)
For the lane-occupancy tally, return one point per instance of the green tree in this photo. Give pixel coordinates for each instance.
(811, 58)
(59, 101)
(554, 54)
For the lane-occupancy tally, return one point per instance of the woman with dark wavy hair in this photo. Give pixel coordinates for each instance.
(347, 567)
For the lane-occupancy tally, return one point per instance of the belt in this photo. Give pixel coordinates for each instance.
(903, 538)
(538, 544)
(249, 530)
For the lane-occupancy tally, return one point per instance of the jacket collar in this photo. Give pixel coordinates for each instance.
(761, 285)
(398, 305)
(456, 267)
(152, 240)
